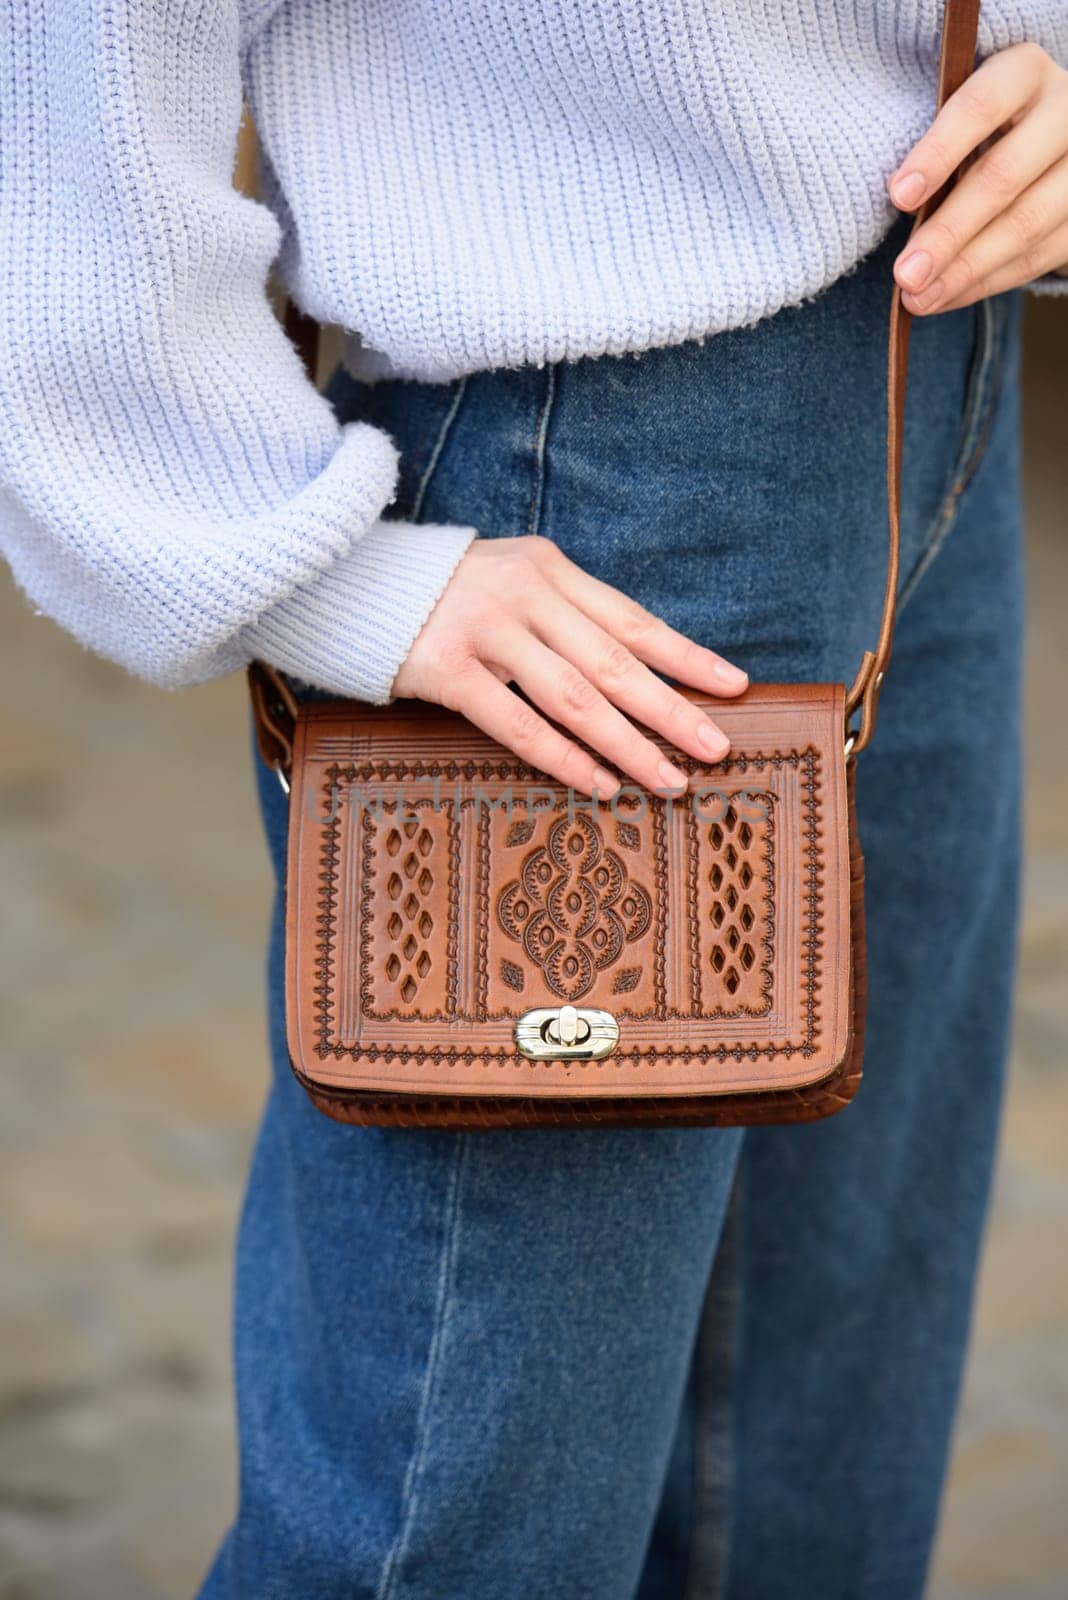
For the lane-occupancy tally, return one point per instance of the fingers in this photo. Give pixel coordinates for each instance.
(647, 637)
(627, 682)
(484, 700)
(1025, 241)
(996, 93)
(519, 609)
(1019, 181)
(1003, 223)
(1050, 256)
(571, 699)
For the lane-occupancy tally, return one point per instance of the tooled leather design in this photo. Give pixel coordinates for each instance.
(326, 920)
(390, 770)
(630, 903)
(410, 927)
(742, 912)
(573, 907)
(330, 1044)
(813, 900)
(482, 922)
(810, 1103)
(452, 989)
(396, 967)
(513, 975)
(660, 862)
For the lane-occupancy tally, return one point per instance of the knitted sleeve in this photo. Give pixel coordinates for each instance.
(172, 489)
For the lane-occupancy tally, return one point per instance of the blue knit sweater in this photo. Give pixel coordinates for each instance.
(462, 184)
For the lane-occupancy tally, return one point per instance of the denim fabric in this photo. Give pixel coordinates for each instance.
(679, 1365)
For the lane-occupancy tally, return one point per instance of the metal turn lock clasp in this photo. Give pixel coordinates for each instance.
(555, 1033)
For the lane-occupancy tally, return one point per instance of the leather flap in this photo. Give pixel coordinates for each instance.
(438, 890)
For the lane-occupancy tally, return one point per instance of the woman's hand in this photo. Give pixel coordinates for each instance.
(1006, 221)
(519, 610)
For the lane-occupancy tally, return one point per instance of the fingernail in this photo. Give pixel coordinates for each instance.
(909, 190)
(670, 776)
(929, 298)
(605, 784)
(730, 677)
(915, 269)
(716, 743)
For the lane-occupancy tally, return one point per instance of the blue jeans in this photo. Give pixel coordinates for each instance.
(677, 1365)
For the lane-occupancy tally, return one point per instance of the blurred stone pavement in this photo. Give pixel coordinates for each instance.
(134, 902)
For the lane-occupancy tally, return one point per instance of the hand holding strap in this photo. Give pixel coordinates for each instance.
(959, 32)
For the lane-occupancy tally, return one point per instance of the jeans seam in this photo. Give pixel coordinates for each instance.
(541, 434)
(444, 430)
(980, 406)
(445, 1282)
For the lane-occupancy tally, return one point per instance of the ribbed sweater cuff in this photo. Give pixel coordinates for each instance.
(349, 629)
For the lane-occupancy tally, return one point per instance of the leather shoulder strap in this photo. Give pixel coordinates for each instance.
(960, 25)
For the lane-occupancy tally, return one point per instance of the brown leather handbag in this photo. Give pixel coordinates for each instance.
(470, 945)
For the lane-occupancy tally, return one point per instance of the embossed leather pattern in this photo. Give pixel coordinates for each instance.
(438, 889)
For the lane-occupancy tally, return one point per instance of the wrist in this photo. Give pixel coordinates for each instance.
(351, 627)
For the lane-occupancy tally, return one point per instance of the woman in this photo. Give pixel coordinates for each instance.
(670, 1363)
